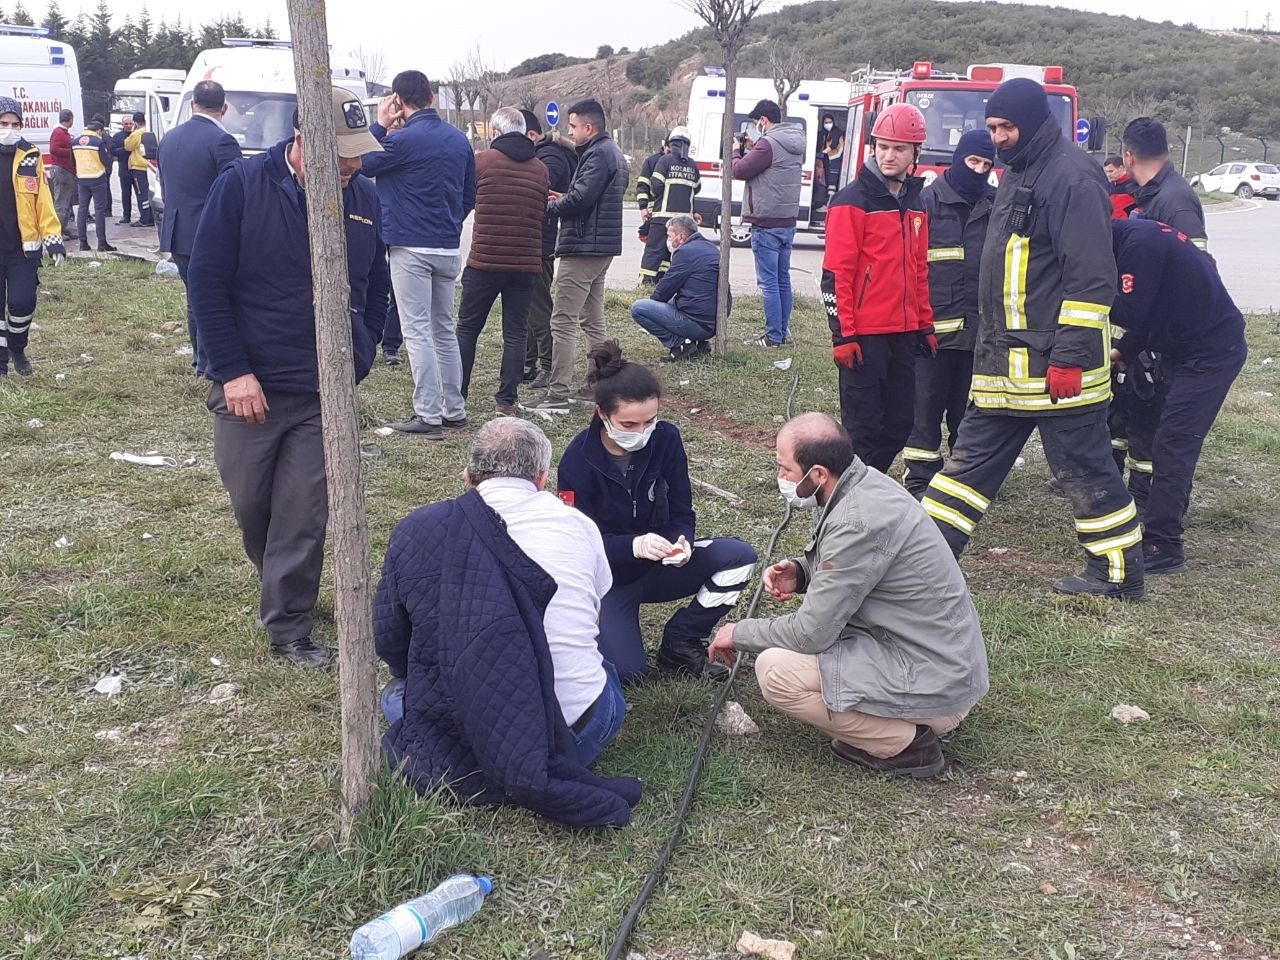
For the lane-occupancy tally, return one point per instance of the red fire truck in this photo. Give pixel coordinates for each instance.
(951, 104)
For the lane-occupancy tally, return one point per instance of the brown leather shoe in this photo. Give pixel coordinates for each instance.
(922, 758)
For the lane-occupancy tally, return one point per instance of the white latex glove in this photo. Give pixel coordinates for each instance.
(681, 553)
(651, 546)
(59, 259)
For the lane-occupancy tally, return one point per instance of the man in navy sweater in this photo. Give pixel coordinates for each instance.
(249, 285)
(682, 311)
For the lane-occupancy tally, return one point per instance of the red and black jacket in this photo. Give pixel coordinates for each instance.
(875, 275)
(1122, 197)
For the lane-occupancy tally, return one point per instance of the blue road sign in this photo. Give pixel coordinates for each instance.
(553, 113)
(1082, 130)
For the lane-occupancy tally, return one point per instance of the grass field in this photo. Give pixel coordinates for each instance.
(158, 824)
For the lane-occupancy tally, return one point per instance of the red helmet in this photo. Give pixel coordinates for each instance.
(900, 122)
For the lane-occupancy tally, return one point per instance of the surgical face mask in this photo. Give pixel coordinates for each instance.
(10, 138)
(828, 125)
(672, 247)
(629, 440)
(788, 490)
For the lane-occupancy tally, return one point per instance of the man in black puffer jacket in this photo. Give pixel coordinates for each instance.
(590, 215)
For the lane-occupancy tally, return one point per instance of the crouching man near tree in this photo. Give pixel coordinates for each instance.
(885, 652)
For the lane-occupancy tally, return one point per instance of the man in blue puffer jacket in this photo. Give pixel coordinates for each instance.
(249, 286)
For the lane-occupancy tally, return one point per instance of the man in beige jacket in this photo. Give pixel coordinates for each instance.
(885, 651)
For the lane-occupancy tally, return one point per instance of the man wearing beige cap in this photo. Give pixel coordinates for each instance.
(249, 286)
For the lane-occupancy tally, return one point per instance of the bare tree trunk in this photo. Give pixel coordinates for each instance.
(348, 531)
(726, 207)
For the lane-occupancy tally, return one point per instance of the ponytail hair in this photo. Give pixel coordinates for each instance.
(617, 380)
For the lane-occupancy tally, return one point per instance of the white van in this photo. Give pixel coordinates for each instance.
(41, 73)
(258, 78)
(806, 107)
(151, 92)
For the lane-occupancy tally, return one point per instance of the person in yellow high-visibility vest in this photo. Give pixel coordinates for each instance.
(141, 144)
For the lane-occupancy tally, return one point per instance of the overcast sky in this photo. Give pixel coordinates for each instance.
(430, 36)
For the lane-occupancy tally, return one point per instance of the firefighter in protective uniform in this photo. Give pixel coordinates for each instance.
(673, 183)
(1171, 302)
(1044, 340)
(875, 286)
(958, 204)
(643, 187)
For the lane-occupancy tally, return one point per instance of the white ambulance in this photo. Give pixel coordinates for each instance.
(151, 92)
(258, 78)
(806, 107)
(42, 74)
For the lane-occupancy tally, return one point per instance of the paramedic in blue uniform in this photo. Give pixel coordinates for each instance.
(1171, 302)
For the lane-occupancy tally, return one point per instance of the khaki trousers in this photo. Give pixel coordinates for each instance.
(579, 301)
(791, 682)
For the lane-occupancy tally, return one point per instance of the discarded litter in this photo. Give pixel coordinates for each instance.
(147, 536)
(421, 920)
(734, 722)
(111, 736)
(1265, 393)
(21, 729)
(1019, 462)
(110, 685)
(782, 364)
(684, 383)
(149, 459)
(190, 462)
(694, 410)
(35, 423)
(166, 268)
(1267, 362)
(1127, 713)
(94, 264)
(223, 692)
(183, 352)
(384, 431)
(62, 543)
(750, 945)
(215, 661)
(157, 336)
(60, 377)
(86, 358)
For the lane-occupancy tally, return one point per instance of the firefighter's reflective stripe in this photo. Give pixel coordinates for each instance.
(1019, 364)
(88, 158)
(1004, 401)
(1201, 243)
(1078, 313)
(939, 512)
(946, 253)
(1141, 466)
(1119, 443)
(1109, 522)
(1016, 258)
(960, 491)
(915, 453)
(1100, 548)
(1027, 385)
(947, 326)
(1115, 566)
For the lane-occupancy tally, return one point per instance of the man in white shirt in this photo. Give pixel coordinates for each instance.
(508, 466)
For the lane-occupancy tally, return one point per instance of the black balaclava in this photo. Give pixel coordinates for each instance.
(968, 183)
(1024, 104)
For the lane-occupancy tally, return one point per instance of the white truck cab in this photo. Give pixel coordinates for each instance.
(41, 73)
(258, 78)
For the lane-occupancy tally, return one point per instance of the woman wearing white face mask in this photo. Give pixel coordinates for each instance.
(29, 227)
(628, 472)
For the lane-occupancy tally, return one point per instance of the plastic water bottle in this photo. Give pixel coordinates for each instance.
(410, 925)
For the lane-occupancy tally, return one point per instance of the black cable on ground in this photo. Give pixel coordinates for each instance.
(618, 950)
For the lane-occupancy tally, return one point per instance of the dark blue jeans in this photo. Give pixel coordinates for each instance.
(772, 249)
(392, 338)
(715, 577)
(668, 324)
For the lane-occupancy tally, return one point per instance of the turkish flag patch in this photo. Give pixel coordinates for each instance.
(1126, 283)
(567, 497)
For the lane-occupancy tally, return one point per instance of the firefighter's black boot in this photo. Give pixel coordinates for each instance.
(21, 364)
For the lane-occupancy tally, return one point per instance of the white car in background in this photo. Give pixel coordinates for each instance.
(1245, 180)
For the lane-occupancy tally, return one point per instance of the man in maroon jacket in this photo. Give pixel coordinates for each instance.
(875, 286)
(62, 171)
(506, 250)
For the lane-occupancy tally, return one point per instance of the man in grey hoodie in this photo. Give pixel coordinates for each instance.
(885, 652)
(771, 203)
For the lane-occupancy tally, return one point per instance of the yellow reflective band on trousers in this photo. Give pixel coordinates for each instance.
(946, 253)
(1004, 401)
(1115, 566)
(1141, 466)
(915, 453)
(1100, 548)
(948, 326)
(1011, 384)
(945, 514)
(1109, 522)
(1016, 257)
(960, 491)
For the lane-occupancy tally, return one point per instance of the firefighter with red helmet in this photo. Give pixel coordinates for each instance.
(876, 290)
(1042, 358)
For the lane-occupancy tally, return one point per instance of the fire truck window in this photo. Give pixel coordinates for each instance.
(948, 114)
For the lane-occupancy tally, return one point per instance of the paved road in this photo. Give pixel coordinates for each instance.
(1241, 237)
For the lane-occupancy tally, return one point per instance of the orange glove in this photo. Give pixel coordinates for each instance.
(848, 354)
(1064, 382)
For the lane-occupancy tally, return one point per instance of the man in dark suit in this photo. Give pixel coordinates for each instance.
(191, 158)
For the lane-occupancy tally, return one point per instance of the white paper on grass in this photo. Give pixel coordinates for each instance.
(149, 459)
